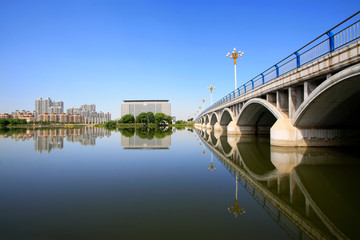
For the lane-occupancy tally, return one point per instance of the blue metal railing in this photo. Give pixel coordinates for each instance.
(326, 43)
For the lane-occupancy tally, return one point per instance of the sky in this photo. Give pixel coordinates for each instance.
(103, 52)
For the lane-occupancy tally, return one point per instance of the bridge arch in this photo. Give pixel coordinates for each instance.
(226, 117)
(333, 104)
(258, 116)
(213, 119)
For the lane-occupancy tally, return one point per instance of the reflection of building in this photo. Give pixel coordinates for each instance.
(86, 136)
(135, 142)
(135, 107)
(47, 143)
(46, 140)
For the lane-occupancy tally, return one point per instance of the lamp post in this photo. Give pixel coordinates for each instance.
(236, 209)
(234, 55)
(212, 167)
(211, 89)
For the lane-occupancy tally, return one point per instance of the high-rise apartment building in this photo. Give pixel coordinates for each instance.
(48, 106)
(89, 115)
(135, 107)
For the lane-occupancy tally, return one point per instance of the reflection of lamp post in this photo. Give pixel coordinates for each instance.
(211, 89)
(235, 55)
(212, 167)
(236, 209)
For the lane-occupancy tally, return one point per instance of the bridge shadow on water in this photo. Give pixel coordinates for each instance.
(311, 193)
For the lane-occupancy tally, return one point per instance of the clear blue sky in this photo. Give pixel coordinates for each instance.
(103, 52)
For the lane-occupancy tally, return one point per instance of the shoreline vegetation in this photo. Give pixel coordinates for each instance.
(147, 120)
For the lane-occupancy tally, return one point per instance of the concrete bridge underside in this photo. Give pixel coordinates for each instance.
(314, 109)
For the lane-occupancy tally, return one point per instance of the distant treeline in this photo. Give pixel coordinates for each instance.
(142, 118)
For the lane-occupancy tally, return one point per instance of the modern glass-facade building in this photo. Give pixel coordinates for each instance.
(135, 107)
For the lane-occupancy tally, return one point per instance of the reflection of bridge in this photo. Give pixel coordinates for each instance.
(309, 98)
(278, 179)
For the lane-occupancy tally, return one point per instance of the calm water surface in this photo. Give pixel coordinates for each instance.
(95, 184)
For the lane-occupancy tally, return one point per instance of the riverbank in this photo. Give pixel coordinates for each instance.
(150, 125)
(36, 126)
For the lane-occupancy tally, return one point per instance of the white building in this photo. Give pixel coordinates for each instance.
(135, 107)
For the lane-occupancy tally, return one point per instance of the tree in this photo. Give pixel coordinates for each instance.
(4, 122)
(141, 118)
(150, 117)
(160, 118)
(190, 119)
(128, 118)
(110, 125)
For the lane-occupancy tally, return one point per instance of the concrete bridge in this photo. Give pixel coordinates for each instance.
(310, 98)
(279, 179)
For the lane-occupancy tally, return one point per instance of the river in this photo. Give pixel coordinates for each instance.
(91, 183)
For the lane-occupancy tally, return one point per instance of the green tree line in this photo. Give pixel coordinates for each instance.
(146, 118)
(5, 122)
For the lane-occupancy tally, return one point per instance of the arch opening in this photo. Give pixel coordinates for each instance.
(213, 119)
(333, 105)
(226, 118)
(256, 118)
(206, 119)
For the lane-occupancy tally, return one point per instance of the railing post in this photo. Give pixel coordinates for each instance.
(244, 88)
(331, 41)
(277, 70)
(252, 84)
(263, 78)
(234, 93)
(297, 59)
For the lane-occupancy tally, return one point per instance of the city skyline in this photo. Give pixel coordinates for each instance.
(103, 52)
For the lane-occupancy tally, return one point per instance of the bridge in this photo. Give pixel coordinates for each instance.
(309, 98)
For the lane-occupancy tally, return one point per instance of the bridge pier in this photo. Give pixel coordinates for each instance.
(233, 128)
(218, 127)
(283, 133)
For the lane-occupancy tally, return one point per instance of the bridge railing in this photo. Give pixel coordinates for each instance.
(334, 39)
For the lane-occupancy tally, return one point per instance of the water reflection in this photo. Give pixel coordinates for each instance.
(307, 191)
(146, 138)
(45, 140)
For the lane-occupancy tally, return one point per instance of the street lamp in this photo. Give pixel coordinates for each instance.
(211, 89)
(235, 55)
(236, 209)
(212, 167)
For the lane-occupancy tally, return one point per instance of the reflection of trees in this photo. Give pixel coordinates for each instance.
(145, 133)
(162, 133)
(150, 133)
(11, 131)
(127, 132)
